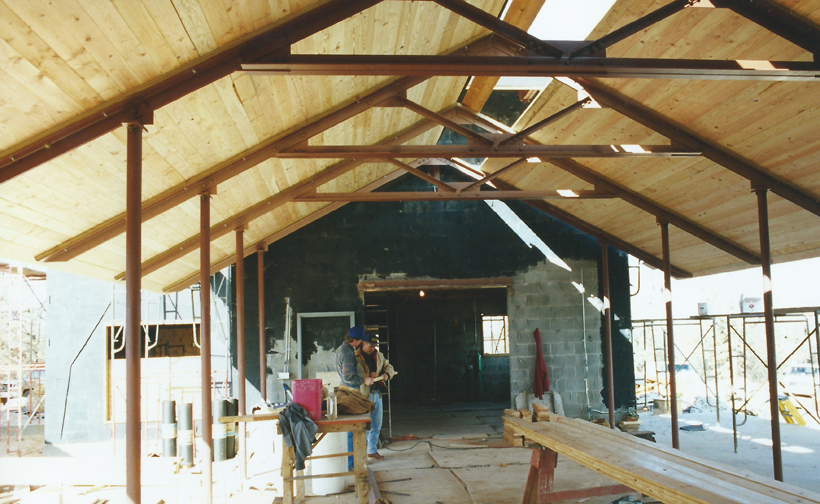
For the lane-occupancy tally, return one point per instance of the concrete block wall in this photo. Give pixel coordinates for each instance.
(79, 310)
(544, 298)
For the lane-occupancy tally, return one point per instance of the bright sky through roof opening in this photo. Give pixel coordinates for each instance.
(560, 20)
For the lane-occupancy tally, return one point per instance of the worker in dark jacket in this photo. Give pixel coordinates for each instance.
(350, 371)
(381, 369)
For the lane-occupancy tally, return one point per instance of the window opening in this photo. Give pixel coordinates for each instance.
(496, 337)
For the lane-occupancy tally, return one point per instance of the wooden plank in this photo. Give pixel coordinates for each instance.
(670, 476)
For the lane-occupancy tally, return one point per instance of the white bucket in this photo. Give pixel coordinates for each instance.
(333, 442)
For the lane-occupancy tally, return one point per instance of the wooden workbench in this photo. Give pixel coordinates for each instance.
(357, 424)
(668, 475)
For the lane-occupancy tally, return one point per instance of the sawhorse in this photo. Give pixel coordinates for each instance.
(541, 477)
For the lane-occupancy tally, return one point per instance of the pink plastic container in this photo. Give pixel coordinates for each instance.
(308, 394)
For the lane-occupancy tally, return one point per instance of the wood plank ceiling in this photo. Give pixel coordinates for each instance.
(68, 66)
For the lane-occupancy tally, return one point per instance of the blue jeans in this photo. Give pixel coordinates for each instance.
(375, 423)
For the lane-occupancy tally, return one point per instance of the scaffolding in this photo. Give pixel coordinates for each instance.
(21, 375)
(742, 357)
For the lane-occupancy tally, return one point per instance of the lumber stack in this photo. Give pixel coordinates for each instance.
(511, 437)
(667, 475)
(540, 412)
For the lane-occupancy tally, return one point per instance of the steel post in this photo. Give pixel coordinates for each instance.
(768, 311)
(240, 317)
(205, 343)
(260, 276)
(133, 337)
(670, 336)
(610, 373)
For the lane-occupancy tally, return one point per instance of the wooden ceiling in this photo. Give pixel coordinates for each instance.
(73, 71)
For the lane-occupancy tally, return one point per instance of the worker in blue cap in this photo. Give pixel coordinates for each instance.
(347, 364)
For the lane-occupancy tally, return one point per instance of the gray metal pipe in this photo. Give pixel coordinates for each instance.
(169, 429)
(133, 336)
(186, 434)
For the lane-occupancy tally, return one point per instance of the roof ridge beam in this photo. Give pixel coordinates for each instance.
(171, 86)
(710, 150)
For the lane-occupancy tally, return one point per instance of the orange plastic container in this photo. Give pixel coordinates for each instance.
(308, 394)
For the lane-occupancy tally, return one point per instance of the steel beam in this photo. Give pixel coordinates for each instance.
(133, 336)
(494, 175)
(447, 123)
(644, 203)
(584, 173)
(270, 204)
(205, 346)
(174, 85)
(506, 30)
(524, 133)
(538, 66)
(406, 167)
(768, 313)
(711, 150)
(510, 151)
(670, 335)
(455, 196)
(779, 20)
(630, 29)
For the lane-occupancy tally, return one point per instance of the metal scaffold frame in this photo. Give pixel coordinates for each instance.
(738, 351)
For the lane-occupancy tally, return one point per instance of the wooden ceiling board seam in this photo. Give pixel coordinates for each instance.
(25, 84)
(195, 128)
(147, 34)
(94, 39)
(195, 158)
(220, 126)
(170, 26)
(237, 112)
(66, 45)
(179, 154)
(263, 116)
(22, 39)
(133, 52)
(191, 15)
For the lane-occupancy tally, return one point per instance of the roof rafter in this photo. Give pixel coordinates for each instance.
(243, 161)
(170, 87)
(270, 204)
(599, 181)
(580, 224)
(507, 151)
(711, 150)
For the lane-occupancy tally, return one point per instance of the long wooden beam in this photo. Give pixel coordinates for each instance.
(538, 66)
(270, 204)
(170, 87)
(243, 161)
(711, 150)
(508, 151)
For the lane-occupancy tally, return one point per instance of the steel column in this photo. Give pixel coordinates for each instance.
(205, 343)
(240, 315)
(260, 285)
(768, 312)
(670, 336)
(610, 373)
(133, 336)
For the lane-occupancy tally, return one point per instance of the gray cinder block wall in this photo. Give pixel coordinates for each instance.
(545, 298)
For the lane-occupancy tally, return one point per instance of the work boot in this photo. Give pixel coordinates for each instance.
(375, 456)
